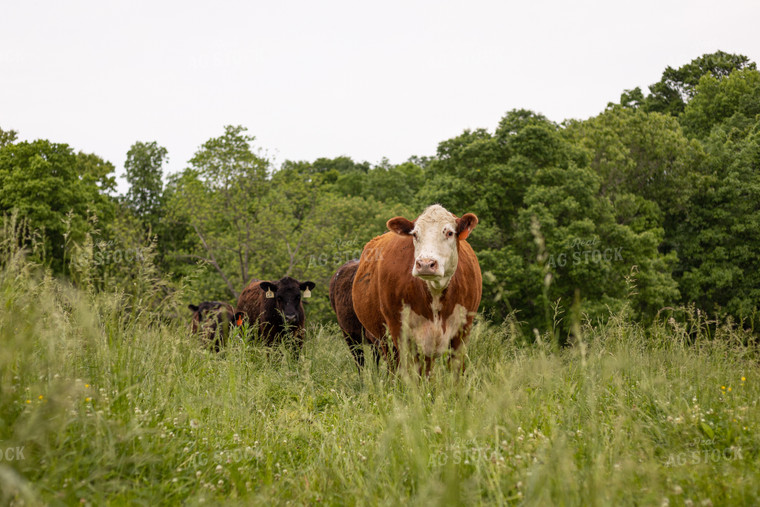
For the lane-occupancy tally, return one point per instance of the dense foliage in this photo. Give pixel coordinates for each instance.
(655, 202)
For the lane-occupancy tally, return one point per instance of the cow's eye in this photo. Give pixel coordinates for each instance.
(414, 235)
(449, 234)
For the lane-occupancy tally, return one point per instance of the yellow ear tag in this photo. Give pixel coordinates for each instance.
(307, 293)
(269, 294)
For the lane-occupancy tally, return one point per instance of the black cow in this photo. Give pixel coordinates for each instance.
(277, 308)
(213, 321)
(343, 306)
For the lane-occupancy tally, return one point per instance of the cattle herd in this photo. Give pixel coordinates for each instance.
(412, 295)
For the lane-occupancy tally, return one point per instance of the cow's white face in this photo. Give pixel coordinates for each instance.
(435, 233)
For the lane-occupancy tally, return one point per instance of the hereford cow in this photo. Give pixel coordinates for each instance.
(213, 321)
(277, 308)
(343, 306)
(421, 283)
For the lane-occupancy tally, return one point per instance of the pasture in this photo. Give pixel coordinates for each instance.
(101, 403)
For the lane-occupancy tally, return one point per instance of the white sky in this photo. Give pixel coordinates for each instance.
(328, 78)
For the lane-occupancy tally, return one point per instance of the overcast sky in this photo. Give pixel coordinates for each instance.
(322, 79)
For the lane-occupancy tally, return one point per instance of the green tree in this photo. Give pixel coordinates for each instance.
(394, 183)
(342, 174)
(631, 99)
(220, 198)
(307, 231)
(341, 165)
(144, 172)
(677, 86)
(645, 163)
(735, 97)
(7, 137)
(718, 234)
(56, 190)
(634, 151)
(247, 220)
(542, 212)
(96, 171)
(699, 176)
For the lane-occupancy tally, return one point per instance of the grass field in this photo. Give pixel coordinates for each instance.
(101, 405)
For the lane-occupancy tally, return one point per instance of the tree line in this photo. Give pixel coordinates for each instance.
(653, 203)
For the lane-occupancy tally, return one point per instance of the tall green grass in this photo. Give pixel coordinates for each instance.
(115, 407)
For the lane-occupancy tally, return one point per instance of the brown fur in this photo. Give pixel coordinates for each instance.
(384, 284)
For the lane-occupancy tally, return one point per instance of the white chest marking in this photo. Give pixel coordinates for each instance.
(432, 337)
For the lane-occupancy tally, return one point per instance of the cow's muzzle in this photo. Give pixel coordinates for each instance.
(426, 267)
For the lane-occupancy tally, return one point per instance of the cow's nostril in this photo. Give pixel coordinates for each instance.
(426, 264)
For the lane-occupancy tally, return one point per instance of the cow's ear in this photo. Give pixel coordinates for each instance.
(239, 316)
(400, 225)
(306, 288)
(269, 289)
(267, 286)
(465, 224)
(193, 308)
